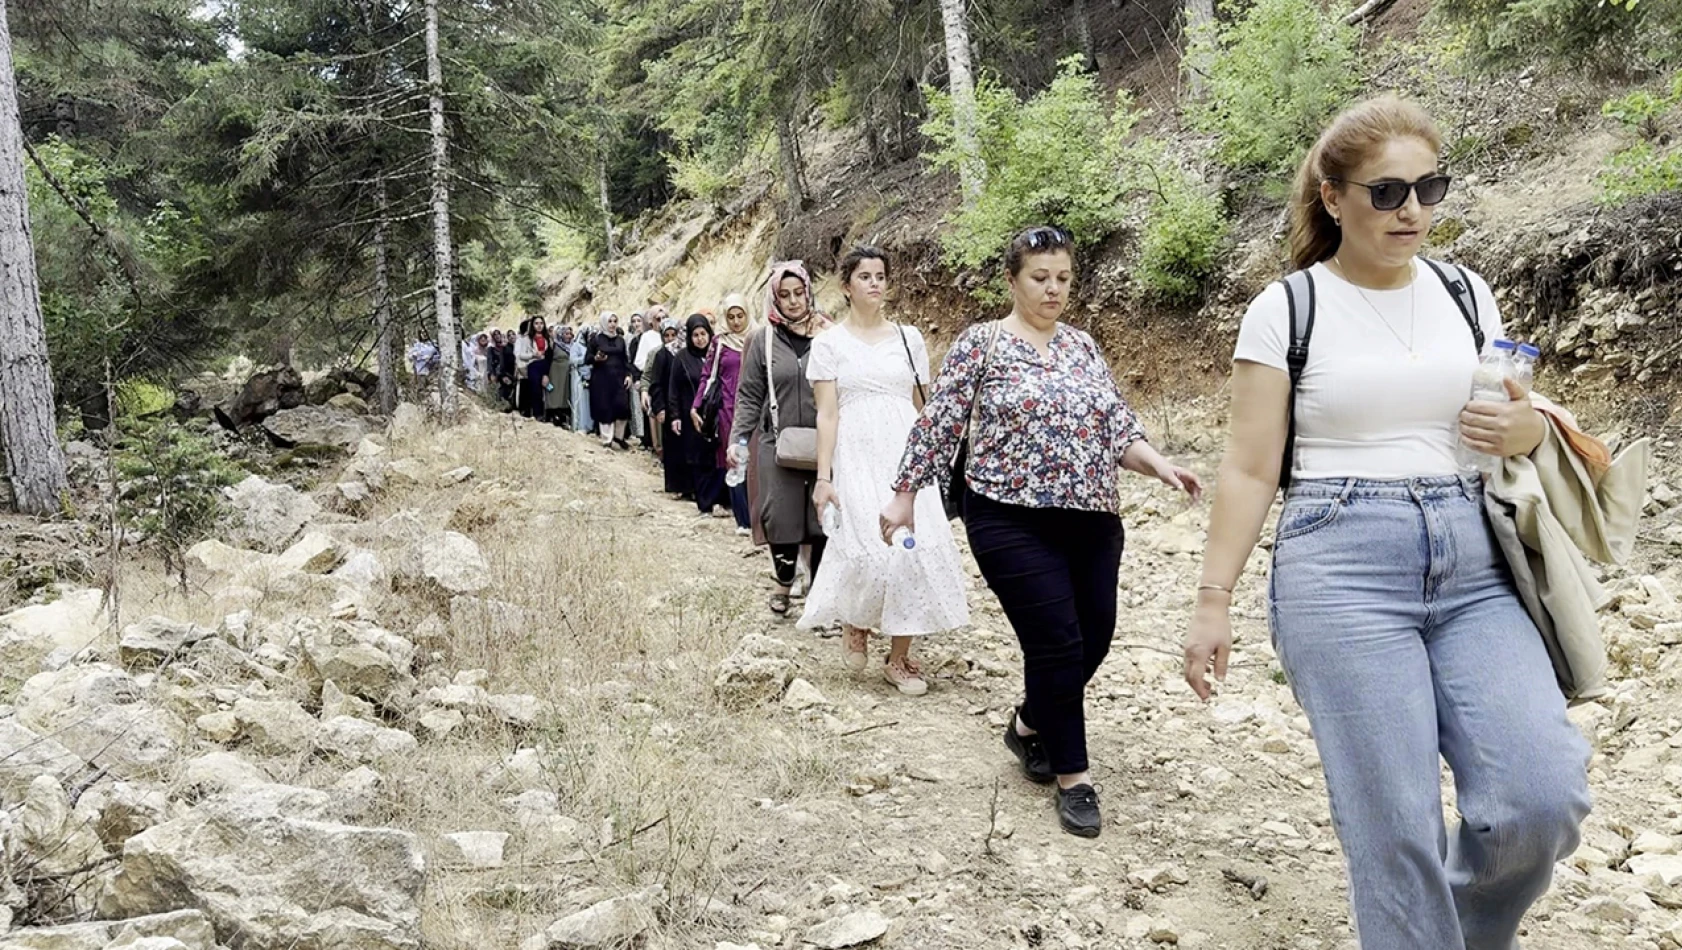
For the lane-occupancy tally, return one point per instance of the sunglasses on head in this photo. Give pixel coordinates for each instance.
(1390, 195)
(1045, 238)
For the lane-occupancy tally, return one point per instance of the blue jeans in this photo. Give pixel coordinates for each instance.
(1396, 622)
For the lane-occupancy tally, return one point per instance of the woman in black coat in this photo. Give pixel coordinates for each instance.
(610, 382)
(697, 457)
(659, 377)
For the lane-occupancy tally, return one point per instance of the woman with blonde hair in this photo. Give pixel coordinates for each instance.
(1392, 611)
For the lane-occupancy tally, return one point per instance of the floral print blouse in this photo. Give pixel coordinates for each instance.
(1050, 432)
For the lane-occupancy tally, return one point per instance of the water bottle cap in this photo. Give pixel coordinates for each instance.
(1530, 350)
(1505, 345)
(908, 542)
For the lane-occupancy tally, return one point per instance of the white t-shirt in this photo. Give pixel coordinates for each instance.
(1365, 408)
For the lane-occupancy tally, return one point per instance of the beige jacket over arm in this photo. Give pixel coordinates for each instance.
(1553, 511)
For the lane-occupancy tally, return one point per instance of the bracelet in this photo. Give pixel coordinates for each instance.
(824, 480)
(1224, 590)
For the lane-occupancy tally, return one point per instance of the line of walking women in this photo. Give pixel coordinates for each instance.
(1393, 613)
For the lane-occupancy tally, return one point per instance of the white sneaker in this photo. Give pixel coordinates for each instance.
(798, 589)
(744, 532)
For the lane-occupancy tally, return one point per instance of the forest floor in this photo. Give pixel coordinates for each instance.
(770, 823)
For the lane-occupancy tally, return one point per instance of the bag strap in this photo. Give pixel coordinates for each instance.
(1300, 297)
(975, 398)
(921, 396)
(1460, 288)
(770, 383)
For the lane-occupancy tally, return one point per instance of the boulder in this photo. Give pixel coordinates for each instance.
(26, 755)
(117, 811)
(267, 516)
(220, 772)
(359, 669)
(362, 741)
(348, 402)
(314, 553)
(454, 563)
(363, 570)
(96, 712)
(472, 849)
(264, 394)
(322, 389)
(757, 671)
(181, 928)
(438, 723)
(156, 640)
(613, 923)
(851, 930)
(407, 420)
(29, 634)
(516, 709)
(54, 841)
(214, 557)
(335, 702)
(275, 726)
(803, 695)
(315, 425)
(272, 869)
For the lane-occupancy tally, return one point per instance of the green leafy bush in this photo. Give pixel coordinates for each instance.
(1646, 167)
(1277, 73)
(1055, 159)
(1184, 230)
(1613, 35)
(170, 487)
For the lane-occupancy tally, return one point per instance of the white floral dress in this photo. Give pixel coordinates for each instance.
(862, 581)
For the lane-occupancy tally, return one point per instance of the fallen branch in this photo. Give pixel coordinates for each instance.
(1367, 11)
(864, 729)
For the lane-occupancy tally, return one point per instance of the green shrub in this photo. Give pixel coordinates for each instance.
(1610, 35)
(1277, 74)
(170, 487)
(1644, 168)
(138, 398)
(1055, 159)
(1180, 243)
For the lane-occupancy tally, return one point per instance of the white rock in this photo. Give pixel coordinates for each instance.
(1651, 842)
(314, 553)
(220, 772)
(276, 727)
(1665, 867)
(438, 723)
(516, 709)
(26, 755)
(157, 639)
(472, 849)
(851, 930)
(182, 928)
(609, 924)
(95, 711)
(73, 622)
(363, 570)
(456, 476)
(360, 669)
(335, 702)
(268, 516)
(53, 839)
(454, 563)
(802, 695)
(362, 741)
(756, 672)
(117, 811)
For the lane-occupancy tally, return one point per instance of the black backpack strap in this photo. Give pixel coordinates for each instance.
(1465, 298)
(1300, 298)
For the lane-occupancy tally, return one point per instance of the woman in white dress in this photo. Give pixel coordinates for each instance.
(868, 375)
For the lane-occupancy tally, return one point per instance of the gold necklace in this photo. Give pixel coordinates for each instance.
(1413, 355)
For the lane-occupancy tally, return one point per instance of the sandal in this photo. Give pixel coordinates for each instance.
(779, 604)
(855, 642)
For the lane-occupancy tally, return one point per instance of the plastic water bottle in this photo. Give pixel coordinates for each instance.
(1488, 385)
(1524, 365)
(738, 471)
(831, 519)
(903, 538)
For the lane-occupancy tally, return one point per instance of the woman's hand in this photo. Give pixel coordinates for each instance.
(628, 384)
(1503, 429)
(899, 513)
(1209, 641)
(695, 417)
(739, 453)
(824, 494)
(677, 427)
(645, 402)
(1180, 479)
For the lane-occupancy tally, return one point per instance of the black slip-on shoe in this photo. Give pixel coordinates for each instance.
(1077, 811)
(1030, 751)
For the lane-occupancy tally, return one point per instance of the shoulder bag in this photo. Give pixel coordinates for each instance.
(712, 400)
(797, 446)
(952, 488)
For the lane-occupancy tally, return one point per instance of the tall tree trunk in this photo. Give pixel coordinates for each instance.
(1199, 45)
(385, 348)
(443, 252)
(794, 178)
(607, 205)
(971, 170)
(1080, 30)
(34, 460)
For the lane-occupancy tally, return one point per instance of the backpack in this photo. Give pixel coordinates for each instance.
(1300, 296)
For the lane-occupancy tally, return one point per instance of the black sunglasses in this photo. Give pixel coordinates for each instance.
(1046, 237)
(1390, 195)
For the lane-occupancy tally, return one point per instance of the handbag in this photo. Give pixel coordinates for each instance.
(712, 400)
(952, 491)
(797, 446)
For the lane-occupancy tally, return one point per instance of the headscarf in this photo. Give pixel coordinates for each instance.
(735, 341)
(565, 335)
(636, 323)
(673, 323)
(697, 320)
(606, 316)
(781, 271)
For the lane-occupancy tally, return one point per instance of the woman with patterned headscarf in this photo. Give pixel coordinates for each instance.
(610, 383)
(788, 519)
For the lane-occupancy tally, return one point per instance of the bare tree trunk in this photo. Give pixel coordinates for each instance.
(34, 459)
(443, 288)
(385, 348)
(607, 205)
(1080, 28)
(1199, 45)
(794, 178)
(971, 171)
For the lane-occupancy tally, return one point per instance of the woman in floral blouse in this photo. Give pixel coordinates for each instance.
(1050, 431)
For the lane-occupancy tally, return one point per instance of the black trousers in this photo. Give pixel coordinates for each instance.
(1054, 571)
(785, 560)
